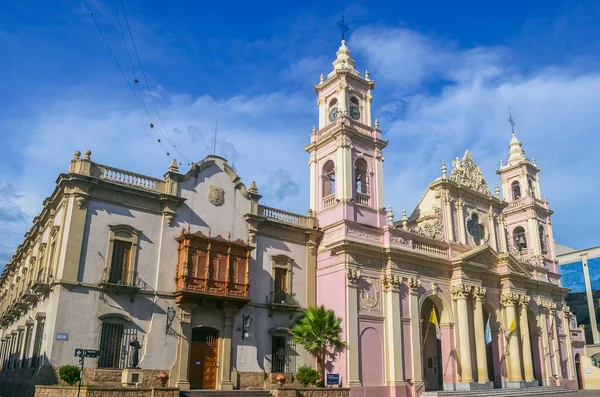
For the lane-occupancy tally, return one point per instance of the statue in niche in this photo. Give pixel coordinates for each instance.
(135, 353)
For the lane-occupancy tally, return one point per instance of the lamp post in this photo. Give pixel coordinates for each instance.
(170, 318)
(246, 322)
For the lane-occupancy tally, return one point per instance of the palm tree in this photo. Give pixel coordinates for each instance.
(318, 330)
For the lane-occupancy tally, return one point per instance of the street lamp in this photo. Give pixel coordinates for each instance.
(246, 322)
(170, 317)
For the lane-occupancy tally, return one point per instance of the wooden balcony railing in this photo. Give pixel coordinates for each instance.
(212, 267)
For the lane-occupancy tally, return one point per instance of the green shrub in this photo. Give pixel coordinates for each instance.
(307, 375)
(69, 373)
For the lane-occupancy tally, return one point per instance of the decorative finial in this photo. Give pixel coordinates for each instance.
(404, 220)
(390, 215)
(501, 163)
(174, 167)
(497, 190)
(253, 188)
(533, 162)
(377, 123)
(77, 154)
(314, 129)
(511, 121)
(209, 231)
(444, 169)
(87, 155)
(367, 75)
(344, 28)
(321, 78)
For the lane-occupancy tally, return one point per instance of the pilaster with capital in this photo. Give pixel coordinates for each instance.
(460, 293)
(461, 220)
(183, 347)
(546, 348)
(394, 375)
(555, 344)
(482, 369)
(525, 339)
(352, 278)
(567, 322)
(502, 227)
(492, 227)
(509, 301)
(414, 283)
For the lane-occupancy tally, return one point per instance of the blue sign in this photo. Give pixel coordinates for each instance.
(333, 379)
(62, 336)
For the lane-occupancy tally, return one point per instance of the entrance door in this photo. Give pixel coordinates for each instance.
(203, 358)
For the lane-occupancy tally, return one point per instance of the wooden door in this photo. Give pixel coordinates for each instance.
(203, 358)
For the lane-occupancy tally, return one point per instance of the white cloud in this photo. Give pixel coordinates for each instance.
(555, 111)
(263, 135)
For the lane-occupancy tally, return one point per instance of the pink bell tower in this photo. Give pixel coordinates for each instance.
(527, 217)
(346, 161)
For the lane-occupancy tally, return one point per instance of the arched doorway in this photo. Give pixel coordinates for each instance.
(203, 358)
(578, 371)
(431, 346)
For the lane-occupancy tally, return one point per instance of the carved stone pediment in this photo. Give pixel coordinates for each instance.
(466, 173)
(483, 255)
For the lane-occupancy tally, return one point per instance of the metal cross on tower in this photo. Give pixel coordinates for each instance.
(343, 27)
(511, 121)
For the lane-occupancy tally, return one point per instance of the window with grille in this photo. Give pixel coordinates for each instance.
(36, 359)
(283, 353)
(119, 267)
(111, 341)
(16, 363)
(115, 336)
(26, 347)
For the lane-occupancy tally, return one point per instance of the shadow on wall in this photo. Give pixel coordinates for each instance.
(20, 382)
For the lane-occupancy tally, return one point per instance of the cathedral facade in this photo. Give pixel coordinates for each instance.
(463, 294)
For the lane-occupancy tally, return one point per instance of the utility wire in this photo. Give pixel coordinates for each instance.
(148, 85)
(135, 79)
(125, 77)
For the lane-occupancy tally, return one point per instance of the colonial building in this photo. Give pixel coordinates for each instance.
(463, 294)
(191, 265)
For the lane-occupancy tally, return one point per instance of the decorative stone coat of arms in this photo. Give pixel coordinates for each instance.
(467, 174)
(369, 294)
(216, 195)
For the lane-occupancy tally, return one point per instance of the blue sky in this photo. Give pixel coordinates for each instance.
(445, 71)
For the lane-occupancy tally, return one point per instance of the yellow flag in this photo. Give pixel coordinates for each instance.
(513, 325)
(433, 320)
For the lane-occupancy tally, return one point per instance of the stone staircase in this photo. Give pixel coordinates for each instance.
(225, 393)
(528, 391)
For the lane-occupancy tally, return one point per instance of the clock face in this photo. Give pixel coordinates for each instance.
(354, 112)
(333, 114)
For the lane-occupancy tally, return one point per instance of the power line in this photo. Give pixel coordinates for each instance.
(125, 77)
(147, 84)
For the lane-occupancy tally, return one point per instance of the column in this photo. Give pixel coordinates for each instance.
(461, 293)
(225, 350)
(502, 227)
(567, 324)
(555, 346)
(379, 180)
(393, 330)
(448, 216)
(183, 348)
(546, 343)
(534, 236)
(509, 300)
(343, 101)
(353, 353)
(525, 341)
(590, 299)
(314, 186)
(415, 329)
(461, 221)
(492, 227)
(482, 369)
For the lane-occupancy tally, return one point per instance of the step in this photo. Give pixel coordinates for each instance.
(224, 393)
(541, 390)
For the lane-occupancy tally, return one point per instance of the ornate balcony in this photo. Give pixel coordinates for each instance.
(212, 268)
(283, 301)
